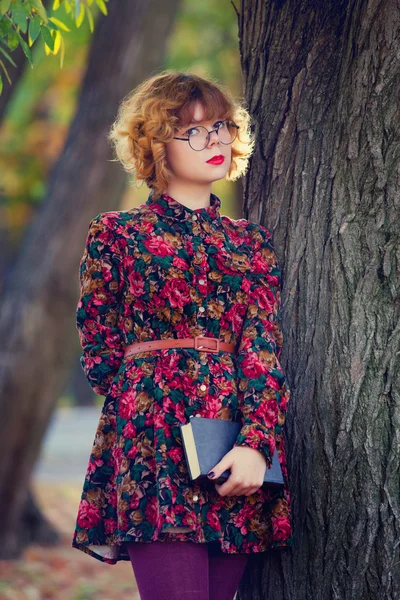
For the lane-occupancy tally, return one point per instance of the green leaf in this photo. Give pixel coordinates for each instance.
(4, 6)
(52, 26)
(13, 40)
(46, 35)
(6, 72)
(19, 17)
(27, 9)
(25, 48)
(34, 28)
(40, 9)
(5, 27)
(9, 58)
(1, 84)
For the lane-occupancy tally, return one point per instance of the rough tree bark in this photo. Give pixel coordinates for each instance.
(37, 325)
(322, 82)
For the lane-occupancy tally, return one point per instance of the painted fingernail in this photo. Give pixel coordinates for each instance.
(211, 474)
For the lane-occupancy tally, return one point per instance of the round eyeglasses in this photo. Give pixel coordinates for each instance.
(199, 137)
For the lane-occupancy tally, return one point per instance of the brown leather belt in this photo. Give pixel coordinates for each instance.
(202, 343)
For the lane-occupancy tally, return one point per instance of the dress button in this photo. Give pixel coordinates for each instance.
(203, 387)
(194, 217)
(201, 281)
(195, 497)
(199, 254)
(201, 309)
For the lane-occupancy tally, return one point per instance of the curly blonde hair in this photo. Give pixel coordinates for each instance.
(151, 114)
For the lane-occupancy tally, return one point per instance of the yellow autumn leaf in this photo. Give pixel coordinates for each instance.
(59, 23)
(62, 53)
(57, 41)
(81, 16)
(102, 6)
(90, 19)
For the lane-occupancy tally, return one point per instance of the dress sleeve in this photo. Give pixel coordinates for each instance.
(263, 393)
(99, 306)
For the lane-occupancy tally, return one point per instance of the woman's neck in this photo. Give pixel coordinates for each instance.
(193, 197)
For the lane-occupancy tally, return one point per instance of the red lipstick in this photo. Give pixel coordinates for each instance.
(218, 159)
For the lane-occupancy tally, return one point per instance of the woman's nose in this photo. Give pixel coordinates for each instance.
(213, 137)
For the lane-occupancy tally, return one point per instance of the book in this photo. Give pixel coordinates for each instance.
(206, 441)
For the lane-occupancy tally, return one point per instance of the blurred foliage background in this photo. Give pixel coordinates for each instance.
(33, 132)
(204, 40)
(36, 122)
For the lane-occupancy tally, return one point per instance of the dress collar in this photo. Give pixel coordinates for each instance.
(169, 207)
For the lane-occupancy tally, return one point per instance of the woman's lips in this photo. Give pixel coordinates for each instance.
(217, 160)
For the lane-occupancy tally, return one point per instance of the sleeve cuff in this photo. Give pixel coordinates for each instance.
(255, 436)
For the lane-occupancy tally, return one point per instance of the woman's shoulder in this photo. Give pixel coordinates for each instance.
(116, 220)
(246, 228)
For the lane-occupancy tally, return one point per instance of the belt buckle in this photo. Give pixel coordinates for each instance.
(201, 347)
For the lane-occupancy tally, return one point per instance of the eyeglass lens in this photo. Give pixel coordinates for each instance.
(198, 137)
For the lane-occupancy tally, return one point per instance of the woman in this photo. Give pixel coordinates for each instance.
(174, 268)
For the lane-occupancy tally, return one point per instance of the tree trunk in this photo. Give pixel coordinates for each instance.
(322, 85)
(37, 323)
(34, 527)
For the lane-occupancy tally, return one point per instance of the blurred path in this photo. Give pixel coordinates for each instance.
(67, 444)
(62, 572)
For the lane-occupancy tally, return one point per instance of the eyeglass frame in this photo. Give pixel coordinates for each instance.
(208, 135)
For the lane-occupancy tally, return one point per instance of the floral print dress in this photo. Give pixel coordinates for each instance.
(158, 271)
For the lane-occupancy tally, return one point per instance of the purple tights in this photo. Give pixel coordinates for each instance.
(177, 570)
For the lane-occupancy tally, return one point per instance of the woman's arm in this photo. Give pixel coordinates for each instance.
(262, 389)
(99, 305)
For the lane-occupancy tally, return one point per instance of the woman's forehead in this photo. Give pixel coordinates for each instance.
(196, 114)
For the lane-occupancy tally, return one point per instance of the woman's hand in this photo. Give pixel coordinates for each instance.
(247, 467)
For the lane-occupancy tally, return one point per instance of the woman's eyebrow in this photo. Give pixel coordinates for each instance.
(194, 123)
(185, 127)
(199, 122)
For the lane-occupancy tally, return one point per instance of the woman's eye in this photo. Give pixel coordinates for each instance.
(219, 125)
(222, 124)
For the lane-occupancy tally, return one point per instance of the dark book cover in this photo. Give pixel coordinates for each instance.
(205, 443)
